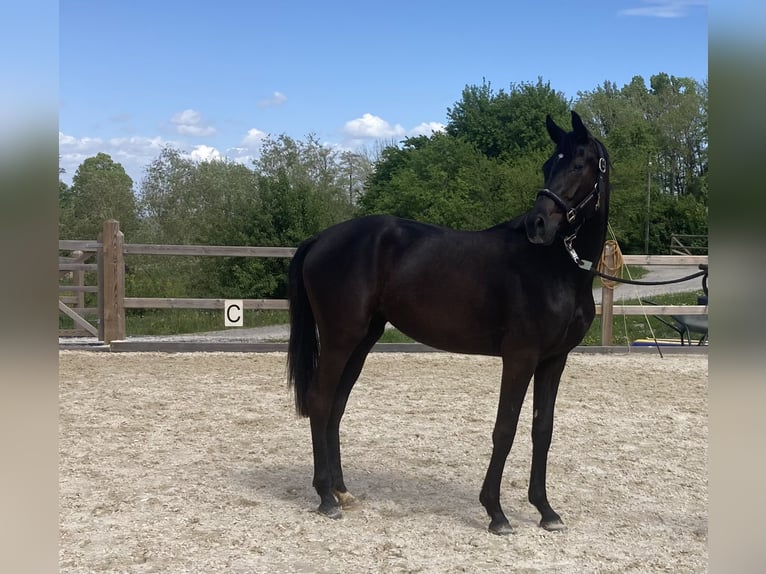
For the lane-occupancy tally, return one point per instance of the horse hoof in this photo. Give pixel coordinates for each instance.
(553, 525)
(501, 529)
(347, 501)
(330, 511)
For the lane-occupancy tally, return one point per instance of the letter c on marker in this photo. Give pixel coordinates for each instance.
(233, 313)
(228, 313)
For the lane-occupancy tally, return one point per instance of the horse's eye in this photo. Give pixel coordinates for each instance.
(578, 167)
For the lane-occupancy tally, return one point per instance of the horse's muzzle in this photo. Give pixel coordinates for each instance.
(540, 229)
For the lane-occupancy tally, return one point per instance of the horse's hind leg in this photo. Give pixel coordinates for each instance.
(332, 362)
(349, 377)
(547, 378)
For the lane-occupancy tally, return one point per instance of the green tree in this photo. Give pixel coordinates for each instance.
(484, 169)
(165, 201)
(506, 124)
(304, 187)
(293, 190)
(657, 138)
(212, 202)
(209, 203)
(230, 211)
(66, 207)
(679, 215)
(355, 170)
(441, 180)
(680, 121)
(100, 190)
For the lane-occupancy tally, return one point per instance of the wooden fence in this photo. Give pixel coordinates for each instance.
(72, 287)
(688, 244)
(110, 251)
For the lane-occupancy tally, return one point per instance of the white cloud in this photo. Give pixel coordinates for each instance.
(249, 147)
(138, 145)
(205, 153)
(73, 144)
(663, 8)
(276, 99)
(189, 123)
(426, 129)
(372, 127)
(134, 153)
(187, 117)
(137, 152)
(253, 138)
(241, 155)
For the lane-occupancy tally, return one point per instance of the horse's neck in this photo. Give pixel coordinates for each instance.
(592, 236)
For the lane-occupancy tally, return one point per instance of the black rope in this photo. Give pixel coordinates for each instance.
(633, 282)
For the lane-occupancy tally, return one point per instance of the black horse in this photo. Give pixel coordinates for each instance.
(521, 290)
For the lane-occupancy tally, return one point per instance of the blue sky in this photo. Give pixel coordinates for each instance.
(212, 79)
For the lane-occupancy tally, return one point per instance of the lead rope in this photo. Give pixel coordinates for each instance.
(611, 270)
(616, 270)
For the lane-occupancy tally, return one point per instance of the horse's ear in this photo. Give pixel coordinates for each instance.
(554, 131)
(581, 132)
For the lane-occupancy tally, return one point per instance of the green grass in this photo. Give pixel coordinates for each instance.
(181, 321)
(394, 336)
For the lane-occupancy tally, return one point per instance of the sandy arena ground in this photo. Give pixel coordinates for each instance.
(197, 463)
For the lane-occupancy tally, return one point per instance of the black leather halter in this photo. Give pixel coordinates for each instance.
(572, 213)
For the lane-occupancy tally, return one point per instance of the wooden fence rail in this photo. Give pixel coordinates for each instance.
(111, 249)
(688, 244)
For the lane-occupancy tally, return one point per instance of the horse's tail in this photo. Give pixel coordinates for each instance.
(303, 347)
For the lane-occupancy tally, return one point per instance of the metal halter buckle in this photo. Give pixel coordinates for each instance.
(568, 245)
(581, 263)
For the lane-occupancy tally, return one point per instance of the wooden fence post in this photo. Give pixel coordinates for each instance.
(113, 269)
(607, 297)
(100, 284)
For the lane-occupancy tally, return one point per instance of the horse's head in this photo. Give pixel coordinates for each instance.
(574, 180)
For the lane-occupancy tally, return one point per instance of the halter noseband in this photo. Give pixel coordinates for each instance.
(571, 213)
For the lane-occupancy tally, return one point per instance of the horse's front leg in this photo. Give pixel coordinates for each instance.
(547, 378)
(516, 376)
